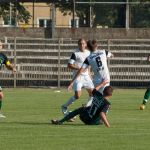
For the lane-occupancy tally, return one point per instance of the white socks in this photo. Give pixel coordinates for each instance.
(89, 101)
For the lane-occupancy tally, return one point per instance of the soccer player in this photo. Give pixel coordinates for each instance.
(94, 114)
(84, 80)
(98, 62)
(4, 60)
(147, 93)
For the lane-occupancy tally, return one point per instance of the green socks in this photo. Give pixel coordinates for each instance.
(146, 96)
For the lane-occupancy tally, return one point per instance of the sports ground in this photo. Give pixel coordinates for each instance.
(29, 112)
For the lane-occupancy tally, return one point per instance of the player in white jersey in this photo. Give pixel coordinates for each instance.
(84, 80)
(98, 62)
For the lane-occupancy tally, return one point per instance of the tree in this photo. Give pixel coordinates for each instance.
(22, 14)
(110, 15)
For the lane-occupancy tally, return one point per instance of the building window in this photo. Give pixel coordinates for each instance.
(76, 23)
(7, 21)
(44, 23)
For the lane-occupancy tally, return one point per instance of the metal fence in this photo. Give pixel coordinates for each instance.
(43, 62)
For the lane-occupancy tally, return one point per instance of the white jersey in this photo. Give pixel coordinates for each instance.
(78, 58)
(98, 62)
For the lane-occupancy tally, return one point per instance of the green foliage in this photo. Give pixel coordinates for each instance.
(110, 15)
(22, 14)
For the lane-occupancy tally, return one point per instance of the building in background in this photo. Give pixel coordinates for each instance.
(41, 16)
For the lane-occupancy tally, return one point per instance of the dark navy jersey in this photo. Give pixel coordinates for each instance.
(3, 59)
(92, 113)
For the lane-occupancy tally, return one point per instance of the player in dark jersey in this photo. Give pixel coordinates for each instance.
(4, 61)
(94, 114)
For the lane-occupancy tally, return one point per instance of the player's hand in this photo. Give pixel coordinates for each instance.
(14, 70)
(70, 86)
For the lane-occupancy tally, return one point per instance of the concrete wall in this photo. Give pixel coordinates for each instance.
(88, 33)
(25, 32)
(109, 33)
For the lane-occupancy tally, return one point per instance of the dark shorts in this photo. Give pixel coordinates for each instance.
(89, 121)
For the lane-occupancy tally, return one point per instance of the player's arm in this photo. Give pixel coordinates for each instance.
(104, 119)
(75, 77)
(103, 83)
(71, 63)
(8, 65)
(82, 69)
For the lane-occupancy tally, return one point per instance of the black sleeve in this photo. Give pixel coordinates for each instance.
(5, 58)
(86, 62)
(106, 52)
(105, 108)
(73, 56)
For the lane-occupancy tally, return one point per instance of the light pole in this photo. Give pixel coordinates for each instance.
(127, 15)
(10, 13)
(73, 13)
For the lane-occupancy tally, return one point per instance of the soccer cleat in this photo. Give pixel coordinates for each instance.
(2, 116)
(64, 109)
(57, 122)
(142, 107)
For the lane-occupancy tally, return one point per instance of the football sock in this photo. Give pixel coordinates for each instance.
(70, 101)
(71, 115)
(89, 101)
(144, 101)
(146, 96)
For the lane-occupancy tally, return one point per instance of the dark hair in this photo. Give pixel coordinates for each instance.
(91, 44)
(81, 39)
(108, 90)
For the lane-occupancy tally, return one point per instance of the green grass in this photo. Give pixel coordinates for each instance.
(28, 112)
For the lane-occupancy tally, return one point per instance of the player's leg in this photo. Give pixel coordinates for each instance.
(90, 99)
(77, 88)
(1, 98)
(88, 84)
(68, 116)
(146, 97)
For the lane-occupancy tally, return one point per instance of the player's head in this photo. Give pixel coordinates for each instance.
(1, 45)
(92, 45)
(108, 90)
(82, 44)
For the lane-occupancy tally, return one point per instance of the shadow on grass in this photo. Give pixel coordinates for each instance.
(42, 123)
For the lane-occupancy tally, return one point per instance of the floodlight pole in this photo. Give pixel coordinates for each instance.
(10, 14)
(53, 15)
(127, 15)
(73, 13)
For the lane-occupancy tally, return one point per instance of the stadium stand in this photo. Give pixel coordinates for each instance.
(43, 62)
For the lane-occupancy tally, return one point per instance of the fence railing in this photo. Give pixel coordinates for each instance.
(43, 62)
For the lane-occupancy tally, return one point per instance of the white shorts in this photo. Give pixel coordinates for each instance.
(83, 81)
(96, 82)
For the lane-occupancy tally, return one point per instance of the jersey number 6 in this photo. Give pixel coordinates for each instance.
(98, 61)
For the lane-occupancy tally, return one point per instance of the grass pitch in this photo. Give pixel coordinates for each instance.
(29, 111)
